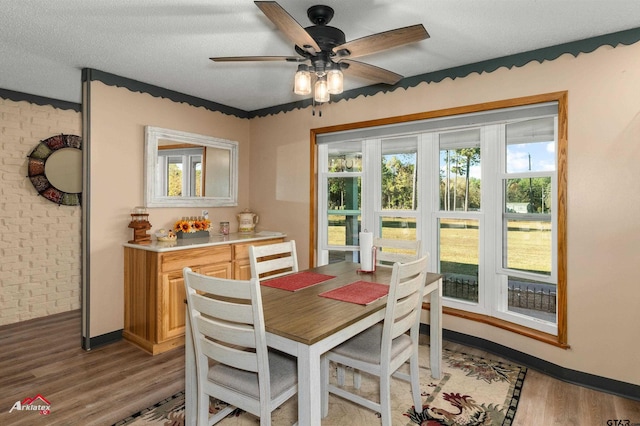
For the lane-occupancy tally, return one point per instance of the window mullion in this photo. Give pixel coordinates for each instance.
(491, 140)
(323, 224)
(429, 177)
(371, 182)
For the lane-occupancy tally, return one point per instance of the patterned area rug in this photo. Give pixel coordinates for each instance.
(472, 391)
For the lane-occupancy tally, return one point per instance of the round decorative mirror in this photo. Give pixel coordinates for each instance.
(55, 169)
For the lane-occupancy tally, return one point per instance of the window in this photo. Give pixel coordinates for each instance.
(458, 221)
(180, 172)
(342, 175)
(479, 189)
(527, 272)
(396, 204)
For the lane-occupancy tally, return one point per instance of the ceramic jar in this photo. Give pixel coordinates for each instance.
(247, 221)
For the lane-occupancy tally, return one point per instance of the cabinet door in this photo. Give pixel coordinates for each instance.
(242, 270)
(219, 270)
(171, 304)
(171, 315)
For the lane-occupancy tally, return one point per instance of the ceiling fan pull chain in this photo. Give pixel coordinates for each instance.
(313, 107)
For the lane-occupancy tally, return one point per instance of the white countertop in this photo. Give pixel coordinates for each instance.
(213, 240)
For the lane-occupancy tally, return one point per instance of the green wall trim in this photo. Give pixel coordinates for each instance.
(518, 60)
(39, 100)
(591, 381)
(159, 92)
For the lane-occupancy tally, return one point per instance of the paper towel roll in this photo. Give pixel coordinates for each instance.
(366, 251)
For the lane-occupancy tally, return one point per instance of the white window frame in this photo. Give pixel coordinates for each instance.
(500, 306)
(483, 305)
(378, 211)
(323, 220)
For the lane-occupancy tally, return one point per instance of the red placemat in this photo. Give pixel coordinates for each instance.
(360, 292)
(297, 281)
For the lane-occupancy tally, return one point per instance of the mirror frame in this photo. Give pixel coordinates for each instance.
(37, 169)
(151, 199)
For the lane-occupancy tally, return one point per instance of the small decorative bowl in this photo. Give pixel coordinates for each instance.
(165, 236)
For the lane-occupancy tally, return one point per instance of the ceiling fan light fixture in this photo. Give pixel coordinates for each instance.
(326, 52)
(302, 81)
(334, 81)
(321, 92)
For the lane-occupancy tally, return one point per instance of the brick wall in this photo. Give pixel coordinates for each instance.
(40, 242)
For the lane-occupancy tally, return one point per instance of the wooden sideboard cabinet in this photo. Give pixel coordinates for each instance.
(154, 304)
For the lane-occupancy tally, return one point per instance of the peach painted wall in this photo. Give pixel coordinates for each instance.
(118, 118)
(603, 201)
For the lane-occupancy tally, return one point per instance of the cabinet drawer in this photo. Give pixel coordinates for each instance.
(241, 251)
(177, 260)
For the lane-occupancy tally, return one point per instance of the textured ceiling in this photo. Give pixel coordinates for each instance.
(44, 45)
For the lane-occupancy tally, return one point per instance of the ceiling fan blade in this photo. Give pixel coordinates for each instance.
(289, 26)
(257, 59)
(370, 72)
(382, 41)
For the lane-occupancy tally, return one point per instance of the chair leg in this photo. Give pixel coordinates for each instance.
(414, 370)
(203, 409)
(265, 416)
(385, 399)
(324, 385)
(357, 379)
(340, 374)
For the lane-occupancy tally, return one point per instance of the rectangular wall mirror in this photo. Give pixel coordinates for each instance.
(189, 170)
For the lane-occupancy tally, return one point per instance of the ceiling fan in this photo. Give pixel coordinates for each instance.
(323, 52)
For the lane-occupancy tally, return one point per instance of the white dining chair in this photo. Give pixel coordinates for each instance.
(273, 260)
(232, 360)
(390, 251)
(382, 349)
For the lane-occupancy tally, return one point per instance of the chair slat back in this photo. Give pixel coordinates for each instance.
(223, 310)
(404, 302)
(273, 260)
(236, 358)
(225, 331)
(390, 251)
(220, 287)
(227, 322)
(405, 313)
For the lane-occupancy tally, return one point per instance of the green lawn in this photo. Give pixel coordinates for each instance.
(529, 245)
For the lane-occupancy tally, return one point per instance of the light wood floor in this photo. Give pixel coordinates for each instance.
(107, 384)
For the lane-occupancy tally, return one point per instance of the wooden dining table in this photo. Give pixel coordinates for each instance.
(305, 325)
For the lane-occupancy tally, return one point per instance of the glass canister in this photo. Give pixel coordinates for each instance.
(224, 228)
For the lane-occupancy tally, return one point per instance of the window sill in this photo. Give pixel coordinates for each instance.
(505, 325)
